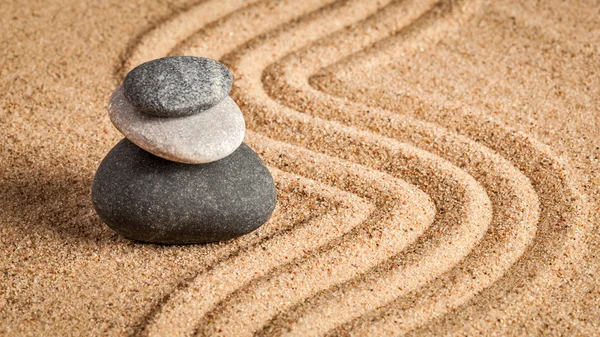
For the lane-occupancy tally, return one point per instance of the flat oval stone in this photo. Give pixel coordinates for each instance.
(196, 139)
(147, 198)
(177, 86)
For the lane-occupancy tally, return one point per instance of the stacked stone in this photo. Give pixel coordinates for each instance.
(182, 174)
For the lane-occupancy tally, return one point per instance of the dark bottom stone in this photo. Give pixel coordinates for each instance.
(150, 199)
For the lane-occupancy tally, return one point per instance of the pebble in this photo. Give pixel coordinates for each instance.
(147, 198)
(177, 86)
(196, 139)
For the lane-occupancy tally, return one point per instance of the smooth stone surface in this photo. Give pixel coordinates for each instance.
(197, 139)
(146, 198)
(177, 86)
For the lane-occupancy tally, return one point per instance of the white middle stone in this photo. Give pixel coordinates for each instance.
(197, 139)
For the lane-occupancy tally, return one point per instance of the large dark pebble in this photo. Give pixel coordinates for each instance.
(150, 199)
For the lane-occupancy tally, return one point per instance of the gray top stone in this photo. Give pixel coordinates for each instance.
(177, 86)
(147, 198)
(196, 139)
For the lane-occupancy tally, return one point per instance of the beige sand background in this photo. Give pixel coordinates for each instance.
(437, 164)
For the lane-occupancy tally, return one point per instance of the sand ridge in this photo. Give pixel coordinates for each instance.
(397, 213)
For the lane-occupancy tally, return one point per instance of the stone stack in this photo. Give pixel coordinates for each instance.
(182, 174)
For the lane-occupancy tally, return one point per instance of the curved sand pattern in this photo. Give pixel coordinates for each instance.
(185, 308)
(401, 211)
(291, 89)
(400, 276)
(561, 243)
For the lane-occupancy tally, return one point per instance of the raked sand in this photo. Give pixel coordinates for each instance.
(437, 165)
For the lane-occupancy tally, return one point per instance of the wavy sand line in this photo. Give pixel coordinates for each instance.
(164, 40)
(276, 13)
(210, 286)
(165, 36)
(244, 76)
(529, 217)
(257, 19)
(291, 87)
(307, 203)
(378, 238)
(292, 191)
(214, 322)
(525, 15)
(552, 255)
(394, 214)
(65, 273)
(564, 209)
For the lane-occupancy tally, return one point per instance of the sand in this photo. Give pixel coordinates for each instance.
(437, 166)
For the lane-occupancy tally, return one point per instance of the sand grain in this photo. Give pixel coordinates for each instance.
(437, 165)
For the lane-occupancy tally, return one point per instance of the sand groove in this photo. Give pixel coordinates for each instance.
(159, 41)
(466, 235)
(272, 86)
(437, 164)
(208, 287)
(466, 232)
(291, 88)
(264, 312)
(319, 201)
(558, 242)
(378, 238)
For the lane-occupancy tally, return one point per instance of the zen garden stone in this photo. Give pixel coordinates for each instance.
(147, 198)
(177, 86)
(182, 175)
(201, 138)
